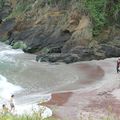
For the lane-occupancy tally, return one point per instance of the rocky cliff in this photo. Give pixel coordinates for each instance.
(62, 30)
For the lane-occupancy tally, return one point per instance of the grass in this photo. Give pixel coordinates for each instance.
(35, 116)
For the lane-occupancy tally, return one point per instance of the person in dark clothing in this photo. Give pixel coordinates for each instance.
(12, 103)
(118, 65)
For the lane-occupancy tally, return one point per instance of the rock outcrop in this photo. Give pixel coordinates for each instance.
(56, 32)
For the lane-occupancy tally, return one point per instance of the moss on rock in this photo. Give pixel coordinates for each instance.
(19, 45)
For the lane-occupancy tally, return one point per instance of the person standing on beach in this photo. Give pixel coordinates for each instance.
(118, 65)
(12, 103)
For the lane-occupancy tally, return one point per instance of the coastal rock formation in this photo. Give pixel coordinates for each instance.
(55, 31)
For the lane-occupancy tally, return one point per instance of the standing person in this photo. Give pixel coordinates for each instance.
(12, 103)
(118, 65)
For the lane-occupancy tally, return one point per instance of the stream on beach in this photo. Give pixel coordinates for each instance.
(32, 82)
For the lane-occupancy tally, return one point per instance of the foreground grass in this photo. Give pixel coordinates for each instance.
(24, 117)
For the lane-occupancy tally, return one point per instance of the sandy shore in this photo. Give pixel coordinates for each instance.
(70, 105)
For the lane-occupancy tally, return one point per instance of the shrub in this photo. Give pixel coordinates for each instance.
(19, 45)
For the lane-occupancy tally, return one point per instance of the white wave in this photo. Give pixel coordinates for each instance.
(8, 55)
(11, 52)
(6, 88)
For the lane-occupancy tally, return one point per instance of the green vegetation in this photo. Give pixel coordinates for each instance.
(23, 6)
(97, 12)
(19, 45)
(114, 11)
(20, 9)
(102, 12)
(35, 116)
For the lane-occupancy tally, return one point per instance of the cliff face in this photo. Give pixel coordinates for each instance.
(60, 30)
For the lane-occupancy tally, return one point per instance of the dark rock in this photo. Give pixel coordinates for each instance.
(115, 41)
(55, 50)
(84, 53)
(7, 26)
(81, 53)
(6, 29)
(67, 58)
(5, 12)
(110, 51)
(36, 39)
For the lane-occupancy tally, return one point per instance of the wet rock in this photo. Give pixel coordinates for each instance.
(67, 58)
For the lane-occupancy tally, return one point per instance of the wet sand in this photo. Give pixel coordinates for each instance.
(70, 105)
